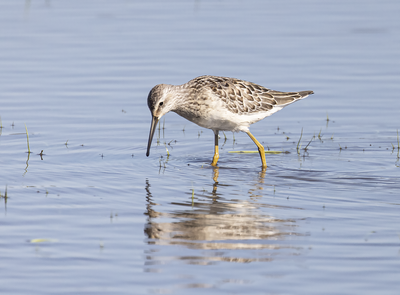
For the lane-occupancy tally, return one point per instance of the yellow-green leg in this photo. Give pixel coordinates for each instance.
(260, 149)
(216, 152)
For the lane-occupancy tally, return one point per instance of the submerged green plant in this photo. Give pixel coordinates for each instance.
(27, 139)
(319, 135)
(5, 194)
(308, 144)
(398, 142)
(256, 152)
(165, 144)
(298, 144)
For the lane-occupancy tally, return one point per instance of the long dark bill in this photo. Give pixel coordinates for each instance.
(154, 122)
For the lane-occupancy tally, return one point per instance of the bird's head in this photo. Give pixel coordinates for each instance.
(159, 102)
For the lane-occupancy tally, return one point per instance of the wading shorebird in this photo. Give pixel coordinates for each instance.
(219, 104)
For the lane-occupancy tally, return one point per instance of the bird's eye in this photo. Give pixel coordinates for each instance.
(161, 103)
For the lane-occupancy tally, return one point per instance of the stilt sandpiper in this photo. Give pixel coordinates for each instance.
(219, 104)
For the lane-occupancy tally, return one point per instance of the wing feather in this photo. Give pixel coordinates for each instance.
(244, 97)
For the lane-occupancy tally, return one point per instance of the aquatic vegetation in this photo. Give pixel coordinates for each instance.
(27, 139)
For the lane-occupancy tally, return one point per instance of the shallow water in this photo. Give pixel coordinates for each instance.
(95, 215)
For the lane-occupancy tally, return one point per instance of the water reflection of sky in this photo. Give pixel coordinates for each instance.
(79, 73)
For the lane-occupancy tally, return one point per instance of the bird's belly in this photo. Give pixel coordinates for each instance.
(218, 124)
(221, 119)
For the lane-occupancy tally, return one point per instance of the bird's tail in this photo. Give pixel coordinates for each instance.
(305, 93)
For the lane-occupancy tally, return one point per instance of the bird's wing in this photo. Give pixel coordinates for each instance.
(245, 97)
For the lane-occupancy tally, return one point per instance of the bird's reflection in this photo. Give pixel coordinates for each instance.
(215, 222)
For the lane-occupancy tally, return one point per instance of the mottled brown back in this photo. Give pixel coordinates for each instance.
(245, 97)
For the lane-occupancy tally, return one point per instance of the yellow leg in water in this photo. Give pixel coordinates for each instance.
(260, 149)
(216, 152)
